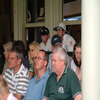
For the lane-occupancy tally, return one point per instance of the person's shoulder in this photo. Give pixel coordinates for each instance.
(66, 35)
(49, 39)
(72, 62)
(51, 78)
(70, 71)
(70, 38)
(25, 62)
(47, 73)
(33, 80)
(52, 75)
(8, 73)
(24, 71)
(8, 70)
(24, 68)
(41, 43)
(73, 65)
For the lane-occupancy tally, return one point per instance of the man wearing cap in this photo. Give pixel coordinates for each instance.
(46, 41)
(56, 42)
(67, 40)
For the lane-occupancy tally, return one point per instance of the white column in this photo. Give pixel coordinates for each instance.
(53, 14)
(18, 19)
(49, 15)
(90, 49)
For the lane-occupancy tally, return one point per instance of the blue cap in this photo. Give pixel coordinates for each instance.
(55, 39)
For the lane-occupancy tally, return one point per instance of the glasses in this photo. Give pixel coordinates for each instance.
(39, 58)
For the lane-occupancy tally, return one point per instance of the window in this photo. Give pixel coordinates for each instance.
(71, 10)
(35, 11)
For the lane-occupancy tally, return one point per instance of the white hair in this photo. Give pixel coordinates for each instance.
(62, 54)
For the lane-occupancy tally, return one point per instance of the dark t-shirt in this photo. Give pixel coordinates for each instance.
(26, 62)
(66, 89)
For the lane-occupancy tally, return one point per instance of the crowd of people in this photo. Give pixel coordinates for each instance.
(46, 71)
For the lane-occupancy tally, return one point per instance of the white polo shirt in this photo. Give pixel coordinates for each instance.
(46, 47)
(17, 83)
(68, 43)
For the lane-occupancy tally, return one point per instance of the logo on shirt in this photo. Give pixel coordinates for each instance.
(71, 43)
(61, 90)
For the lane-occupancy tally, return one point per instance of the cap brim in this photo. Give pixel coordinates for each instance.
(43, 33)
(57, 43)
(55, 29)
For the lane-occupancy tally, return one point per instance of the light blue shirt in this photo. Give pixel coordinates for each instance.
(35, 90)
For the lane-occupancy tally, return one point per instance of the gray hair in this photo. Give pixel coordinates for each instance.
(62, 54)
(19, 52)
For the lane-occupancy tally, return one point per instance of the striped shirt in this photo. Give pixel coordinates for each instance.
(17, 83)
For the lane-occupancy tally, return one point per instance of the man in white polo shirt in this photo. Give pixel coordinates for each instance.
(67, 40)
(46, 41)
(17, 75)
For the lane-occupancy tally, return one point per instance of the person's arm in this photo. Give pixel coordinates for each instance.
(78, 97)
(19, 97)
(75, 86)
